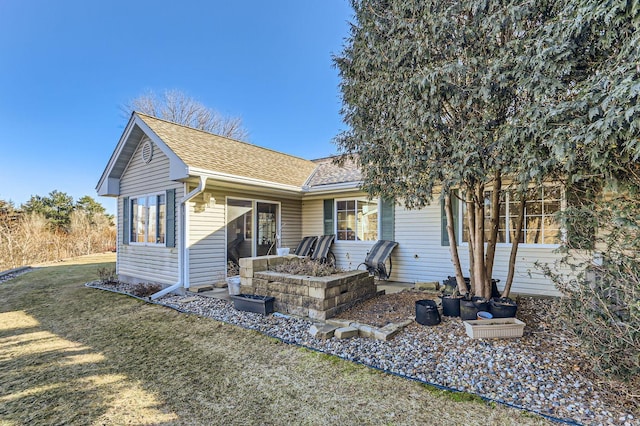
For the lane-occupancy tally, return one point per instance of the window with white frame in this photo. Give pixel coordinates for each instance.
(540, 225)
(356, 220)
(148, 219)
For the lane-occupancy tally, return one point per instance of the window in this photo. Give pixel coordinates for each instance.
(540, 225)
(357, 219)
(148, 219)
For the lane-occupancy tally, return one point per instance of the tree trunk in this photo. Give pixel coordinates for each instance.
(479, 271)
(471, 225)
(455, 258)
(514, 245)
(493, 232)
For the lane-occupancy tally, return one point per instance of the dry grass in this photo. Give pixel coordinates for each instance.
(73, 355)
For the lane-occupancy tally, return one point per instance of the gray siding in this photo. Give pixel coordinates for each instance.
(207, 236)
(141, 263)
(421, 257)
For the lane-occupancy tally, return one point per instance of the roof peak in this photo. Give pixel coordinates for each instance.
(217, 135)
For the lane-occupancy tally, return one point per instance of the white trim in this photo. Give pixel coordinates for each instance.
(355, 198)
(100, 187)
(146, 231)
(524, 245)
(254, 221)
(226, 177)
(332, 188)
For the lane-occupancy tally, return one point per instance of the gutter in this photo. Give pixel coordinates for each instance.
(183, 280)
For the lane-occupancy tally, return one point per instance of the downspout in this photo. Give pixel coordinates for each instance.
(183, 280)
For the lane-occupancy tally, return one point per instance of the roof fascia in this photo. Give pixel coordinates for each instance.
(109, 185)
(332, 188)
(225, 177)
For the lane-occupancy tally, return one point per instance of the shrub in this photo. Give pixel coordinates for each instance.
(146, 290)
(306, 267)
(601, 303)
(107, 275)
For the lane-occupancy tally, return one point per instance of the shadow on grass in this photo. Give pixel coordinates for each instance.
(47, 379)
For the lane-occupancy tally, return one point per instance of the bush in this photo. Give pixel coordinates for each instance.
(146, 290)
(601, 303)
(107, 275)
(306, 267)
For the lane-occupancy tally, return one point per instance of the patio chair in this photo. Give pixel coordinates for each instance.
(305, 247)
(378, 258)
(322, 250)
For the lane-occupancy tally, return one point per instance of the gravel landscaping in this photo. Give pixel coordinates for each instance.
(544, 371)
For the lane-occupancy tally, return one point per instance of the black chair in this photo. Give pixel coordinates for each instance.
(322, 250)
(305, 247)
(378, 258)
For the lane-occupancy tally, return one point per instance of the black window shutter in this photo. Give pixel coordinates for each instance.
(444, 235)
(171, 218)
(329, 229)
(126, 211)
(387, 219)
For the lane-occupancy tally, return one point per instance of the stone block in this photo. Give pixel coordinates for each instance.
(300, 311)
(384, 335)
(291, 299)
(427, 286)
(298, 290)
(346, 332)
(273, 261)
(332, 292)
(246, 262)
(276, 286)
(318, 293)
(247, 289)
(293, 279)
(200, 288)
(246, 272)
(317, 314)
(322, 331)
(339, 322)
(366, 330)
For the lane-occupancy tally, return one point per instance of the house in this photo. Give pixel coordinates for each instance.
(190, 202)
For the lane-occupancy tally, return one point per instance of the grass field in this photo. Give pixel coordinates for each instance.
(74, 355)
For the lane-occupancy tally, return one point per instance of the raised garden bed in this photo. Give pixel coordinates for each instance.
(304, 295)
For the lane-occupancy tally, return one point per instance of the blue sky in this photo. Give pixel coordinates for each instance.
(67, 67)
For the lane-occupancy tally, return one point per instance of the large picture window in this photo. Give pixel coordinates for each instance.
(540, 225)
(357, 220)
(148, 223)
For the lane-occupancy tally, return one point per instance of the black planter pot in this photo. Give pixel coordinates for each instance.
(451, 305)
(469, 308)
(427, 312)
(503, 307)
(494, 288)
(251, 303)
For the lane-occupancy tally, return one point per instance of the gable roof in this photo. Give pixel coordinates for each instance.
(202, 151)
(194, 152)
(327, 172)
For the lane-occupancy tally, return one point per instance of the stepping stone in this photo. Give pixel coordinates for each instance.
(346, 332)
(200, 288)
(322, 331)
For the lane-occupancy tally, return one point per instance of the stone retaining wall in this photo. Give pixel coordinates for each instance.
(313, 297)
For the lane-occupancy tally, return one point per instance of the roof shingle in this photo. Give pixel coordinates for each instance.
(202, 150)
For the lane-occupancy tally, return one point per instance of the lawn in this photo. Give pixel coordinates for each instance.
(74, 355)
